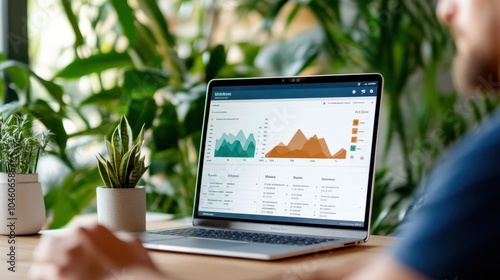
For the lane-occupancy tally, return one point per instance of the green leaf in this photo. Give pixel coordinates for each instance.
(95, 64)
(166, 133)
(52, 121)
(10, 108)
(194, 117)
(143, 84)
(154, 14)
(146, 46)
(125, 135)
(18, 76)
(73, 22)
(113, 178)
(3, 89)
(19, 73)
(142, 112)
(104, 98)
(126, 166)
(112, 153)
(250, 51)
(216, 62)
(291, 15)
(290, 57)
(101, 166)
(101, 129)
(75, 193)
(50, 198)
(140, 138)
(137, 172)
(126, 19)
(273, 12)
(116, 140)
(55, 90)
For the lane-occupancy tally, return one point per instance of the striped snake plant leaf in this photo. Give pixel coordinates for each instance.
(113, 178)
(116, 144)
(126, 166)
(101, 166)
(137, 172)
(125, 135)
(113, 153)
(140, 137)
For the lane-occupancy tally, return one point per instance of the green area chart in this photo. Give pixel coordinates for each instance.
(235, 146)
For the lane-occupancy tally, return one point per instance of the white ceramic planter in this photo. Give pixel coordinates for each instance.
(122, 209)
(22, 209)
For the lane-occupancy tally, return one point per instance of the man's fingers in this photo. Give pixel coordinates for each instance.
(46, 245)
(52, 242)
(98, 230)
(45, 271)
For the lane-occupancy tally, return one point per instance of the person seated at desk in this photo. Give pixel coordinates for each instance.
(452, 235)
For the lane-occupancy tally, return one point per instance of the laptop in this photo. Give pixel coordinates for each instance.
(286, 167)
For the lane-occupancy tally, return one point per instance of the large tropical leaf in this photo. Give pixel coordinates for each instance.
(74, 194)
(126, 19)
(97, 63)
(20, 72)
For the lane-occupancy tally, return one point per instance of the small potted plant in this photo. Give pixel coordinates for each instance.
(121, 204)
(22, 210)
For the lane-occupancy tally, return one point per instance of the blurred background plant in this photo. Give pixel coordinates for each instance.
(150, 61)
(20, 146)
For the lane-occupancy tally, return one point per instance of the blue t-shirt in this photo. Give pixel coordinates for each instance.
(455, 234)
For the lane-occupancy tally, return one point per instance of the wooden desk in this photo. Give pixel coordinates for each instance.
(190, 266)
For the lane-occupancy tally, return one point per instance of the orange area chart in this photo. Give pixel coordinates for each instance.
(301, 147)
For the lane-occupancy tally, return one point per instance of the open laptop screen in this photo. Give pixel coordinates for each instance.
(291, 150)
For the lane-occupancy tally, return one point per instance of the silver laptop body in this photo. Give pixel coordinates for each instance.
(284, 159)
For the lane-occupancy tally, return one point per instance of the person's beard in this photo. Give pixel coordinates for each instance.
(477, 72)
(476, 68)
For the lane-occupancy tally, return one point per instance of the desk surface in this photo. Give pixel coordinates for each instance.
(190, 266)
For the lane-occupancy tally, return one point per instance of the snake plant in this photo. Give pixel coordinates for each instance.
(124, 166)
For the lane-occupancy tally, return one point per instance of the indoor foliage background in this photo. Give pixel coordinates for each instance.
(150, 60)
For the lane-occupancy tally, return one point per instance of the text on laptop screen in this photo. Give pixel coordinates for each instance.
(297, 153)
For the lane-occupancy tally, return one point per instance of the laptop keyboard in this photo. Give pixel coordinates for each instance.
(246, 236)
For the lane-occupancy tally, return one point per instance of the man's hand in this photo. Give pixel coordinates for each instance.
(92, 253)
